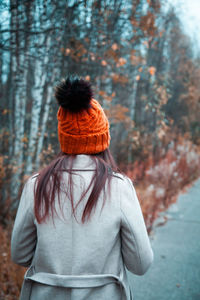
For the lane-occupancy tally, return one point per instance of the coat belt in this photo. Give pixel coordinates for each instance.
(70, 281)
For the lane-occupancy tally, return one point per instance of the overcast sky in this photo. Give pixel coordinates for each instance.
(189, 14)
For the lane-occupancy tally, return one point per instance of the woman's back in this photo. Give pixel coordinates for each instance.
(114, 235)
(79, 222)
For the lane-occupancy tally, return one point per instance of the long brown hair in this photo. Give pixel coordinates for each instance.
(48, 184)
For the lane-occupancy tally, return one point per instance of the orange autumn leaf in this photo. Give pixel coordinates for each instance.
(92, 56)
(5, 111)
(114, 46)
(135, 60)
(87, 40)
(103, 63)
(161, 133)
(152, 70)
(119, 78)
(24, 139)
(147, 24)
(102, 93)
(137, 77)
(117, 113)
(87, 77)
(122, 61)
(67, 51)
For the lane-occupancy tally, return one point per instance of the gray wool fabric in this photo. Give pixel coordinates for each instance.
(71, 260)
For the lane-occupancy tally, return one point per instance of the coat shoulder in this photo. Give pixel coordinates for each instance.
(124, 184)
(124, 180)
(31, 180)
(118, 175)
(34, 176)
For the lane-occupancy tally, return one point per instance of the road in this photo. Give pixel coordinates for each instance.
(175, 272)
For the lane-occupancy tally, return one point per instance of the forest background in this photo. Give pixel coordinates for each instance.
(144, 73)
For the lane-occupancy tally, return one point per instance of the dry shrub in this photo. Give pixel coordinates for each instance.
(160, 183)
(11, 275)
(5, 177)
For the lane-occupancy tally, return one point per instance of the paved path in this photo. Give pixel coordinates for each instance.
(175, 272)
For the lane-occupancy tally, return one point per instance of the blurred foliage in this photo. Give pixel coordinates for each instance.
(11, 276)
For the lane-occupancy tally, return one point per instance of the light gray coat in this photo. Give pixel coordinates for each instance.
(71, 260)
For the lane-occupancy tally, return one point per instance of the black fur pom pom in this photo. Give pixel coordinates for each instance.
(74, 94)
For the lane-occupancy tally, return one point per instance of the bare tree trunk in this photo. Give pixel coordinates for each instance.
(40, 78)
(44, 120)
(19, 70)
(132, 103)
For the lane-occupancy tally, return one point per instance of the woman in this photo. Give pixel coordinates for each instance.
(79, 222)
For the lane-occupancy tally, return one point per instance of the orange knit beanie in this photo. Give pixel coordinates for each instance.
(83, 127)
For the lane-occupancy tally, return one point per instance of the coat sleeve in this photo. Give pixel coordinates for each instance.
(136, 248)
(24, 235)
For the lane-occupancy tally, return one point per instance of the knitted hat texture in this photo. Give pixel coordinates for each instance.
(85, 131)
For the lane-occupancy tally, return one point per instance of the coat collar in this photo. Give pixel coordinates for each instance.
(83, 162)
